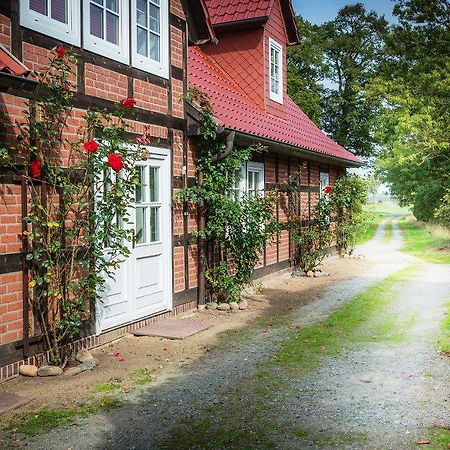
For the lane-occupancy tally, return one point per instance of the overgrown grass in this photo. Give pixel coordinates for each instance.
(365, 318)
(444, 339)
(428, 242)
(35, 422)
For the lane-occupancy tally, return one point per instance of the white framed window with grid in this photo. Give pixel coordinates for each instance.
(106, 28)
(248, 180)
(150, 36)
(57, 18)
(275, 71)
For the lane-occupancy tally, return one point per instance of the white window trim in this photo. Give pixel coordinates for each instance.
(255, 167)
(160, 68)
(324, 181)
(273, 95)
(102, 47)
(69, 32)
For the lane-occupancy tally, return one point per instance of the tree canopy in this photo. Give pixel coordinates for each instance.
(384, 90)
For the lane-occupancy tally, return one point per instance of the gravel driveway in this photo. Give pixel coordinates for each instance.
(374, 395)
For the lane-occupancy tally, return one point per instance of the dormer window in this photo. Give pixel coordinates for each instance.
(276, 71)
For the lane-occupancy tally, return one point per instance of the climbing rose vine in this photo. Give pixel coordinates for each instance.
(80, 192)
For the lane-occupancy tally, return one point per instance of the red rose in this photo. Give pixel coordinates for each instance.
(128, 103)
(91, 146)
(35, 168)
(61, 52)
(116, 162)
(328, 190)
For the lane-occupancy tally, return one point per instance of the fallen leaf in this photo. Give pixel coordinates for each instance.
(121, 359)
(423, 442)
(165, 349)
(116, 355)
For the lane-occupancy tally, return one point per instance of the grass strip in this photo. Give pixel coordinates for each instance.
(244, 419)
(425, 243)
(388, 232)
(365, 318)
(35, 422)
(444, 339)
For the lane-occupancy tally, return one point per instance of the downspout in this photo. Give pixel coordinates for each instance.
(202, 221)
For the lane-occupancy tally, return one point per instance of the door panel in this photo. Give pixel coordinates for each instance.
(143, 284)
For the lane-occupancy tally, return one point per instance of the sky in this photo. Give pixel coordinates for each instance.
(319, 11)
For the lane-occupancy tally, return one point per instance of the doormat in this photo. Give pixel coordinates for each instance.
(172, 328)
(10, 401)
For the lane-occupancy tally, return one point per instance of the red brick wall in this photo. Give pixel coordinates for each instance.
(5, 32)
(10, 307)
(112, 83)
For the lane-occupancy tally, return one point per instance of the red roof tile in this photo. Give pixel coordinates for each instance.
(9, 64)
(235, 111)
(224, 11)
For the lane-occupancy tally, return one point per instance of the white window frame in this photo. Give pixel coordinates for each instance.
(324, 181)
(160, 68)
(69, 32)
(102, 47)
(242, 185)
(276, 97)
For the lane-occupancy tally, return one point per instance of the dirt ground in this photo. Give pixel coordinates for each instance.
(281, 294)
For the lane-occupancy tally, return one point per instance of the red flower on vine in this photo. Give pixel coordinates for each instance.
(116, 162)
(328, 190)
(61, 52)
(128, 103)
(35, 168)
(91, 146)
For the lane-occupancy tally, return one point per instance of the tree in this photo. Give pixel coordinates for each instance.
(414, 127)
(307, 71)
(329, 75)
(353, 50)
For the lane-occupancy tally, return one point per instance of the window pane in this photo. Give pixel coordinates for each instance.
(96, 21)
(141, 12)
(99, 2)
(142, 42)
(59, 10)
(250, 181)
(113, 5)
(140, 225)
(154, 47)
(154, 224)
(112, 28)
(140, 188)
(156, 2)
(39, 6)
(154, 18)
(154, 184)
(256, 175)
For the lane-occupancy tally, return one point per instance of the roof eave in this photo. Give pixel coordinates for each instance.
(199, 23)
(243, 138)
(245, 24)
(9, 81)
(290, 22)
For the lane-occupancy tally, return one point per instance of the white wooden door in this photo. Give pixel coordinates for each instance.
(142, 286)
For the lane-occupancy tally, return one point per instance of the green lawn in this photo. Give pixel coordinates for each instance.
(430, 243)
(388, 232)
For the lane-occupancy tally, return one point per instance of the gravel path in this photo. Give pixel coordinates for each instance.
(376, 395)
